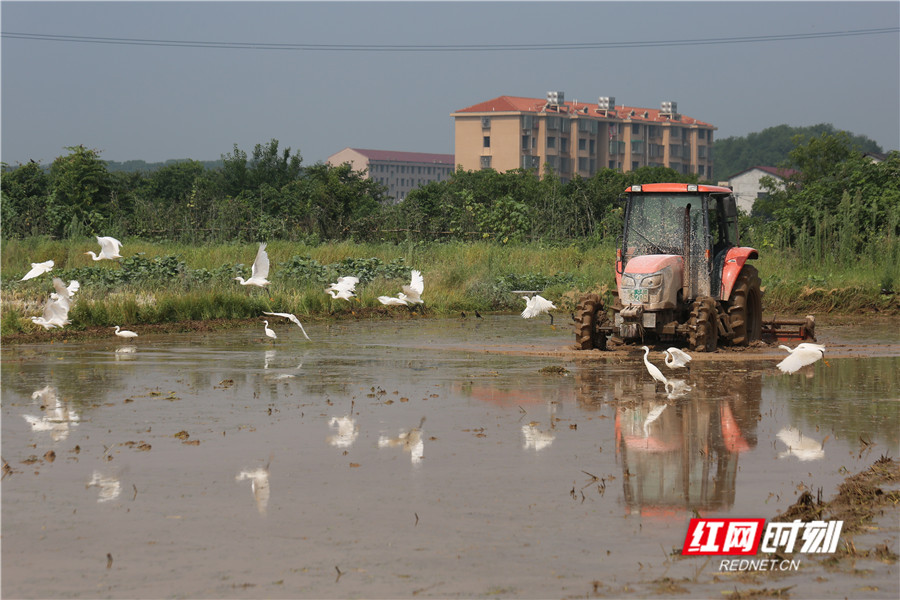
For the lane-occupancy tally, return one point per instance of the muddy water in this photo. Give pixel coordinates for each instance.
(428, 458)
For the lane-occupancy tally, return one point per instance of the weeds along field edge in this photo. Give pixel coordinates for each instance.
(170, 282)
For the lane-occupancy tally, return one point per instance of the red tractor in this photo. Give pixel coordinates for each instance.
(681, 276)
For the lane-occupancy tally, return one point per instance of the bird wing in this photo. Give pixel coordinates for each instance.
(109, 246)
(293, 319)
(260, 267)
(38, 269)
(389, 300)
(416, 284)
(790, 364)
(345, 283)
(535, 306)
(73, 287)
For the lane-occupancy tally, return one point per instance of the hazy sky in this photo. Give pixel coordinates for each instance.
(158, 102)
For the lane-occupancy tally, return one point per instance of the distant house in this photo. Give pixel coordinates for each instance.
(401, 172)
(747, 187)
(876, 157)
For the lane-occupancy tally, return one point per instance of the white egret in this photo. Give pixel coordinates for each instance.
(56, 309)
(259, 271)
(124, 333)
(391, 301)
(38, 269)
(804, 354)
(109, 248)
(289, 316)
(537, 305)
(268, 331)
(654, 371)
(412, 293)
(676, 358)
(344, 287)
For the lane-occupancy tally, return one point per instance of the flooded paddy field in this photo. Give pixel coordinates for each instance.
(425, 458)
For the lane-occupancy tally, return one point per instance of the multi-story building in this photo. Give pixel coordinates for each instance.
(399, 171)
(580, 138)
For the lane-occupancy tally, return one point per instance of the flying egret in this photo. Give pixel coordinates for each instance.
(391, 301)
(676, 358)
(109, 248)
(56, 309)
(537, 305)
(259, 271)
(412, 293)
(269, 332)
(344, 287)
(292, 318)
(654, 371)
(38, 269)
(125, 333)
(804, 354)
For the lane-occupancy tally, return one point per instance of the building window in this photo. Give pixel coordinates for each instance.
(563, 144)
(485, 162)
(487, 141)
(551, 142)
(637, 146)
(636, 128)
(526, 142)
(635, 165)
(485, 122)
(593, 147)
(582, 144)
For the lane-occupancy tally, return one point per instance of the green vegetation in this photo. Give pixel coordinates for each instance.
(828, 241)
(772, 146)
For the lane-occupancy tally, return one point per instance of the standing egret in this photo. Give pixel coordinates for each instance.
(804, 354)
(412, 293)
(125, 333)
(537, 305)
(38, 269)
(676, 358)
(292, 318)
(109, 248)
(259, 271)
(268, 331)
(654, 371)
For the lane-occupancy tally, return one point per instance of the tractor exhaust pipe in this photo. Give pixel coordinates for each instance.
(686, 251)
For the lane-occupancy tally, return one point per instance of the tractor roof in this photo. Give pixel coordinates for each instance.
(670, 188)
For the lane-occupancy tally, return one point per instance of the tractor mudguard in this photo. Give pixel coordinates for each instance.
(734, 262)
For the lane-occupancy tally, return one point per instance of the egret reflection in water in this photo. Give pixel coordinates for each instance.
(535, 438)
(259, 485)
(411, 441)
(347, 431)
(110, 486)
(802, 446)
(57, 416)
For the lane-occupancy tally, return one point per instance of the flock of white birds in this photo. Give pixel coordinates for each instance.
(56, 311)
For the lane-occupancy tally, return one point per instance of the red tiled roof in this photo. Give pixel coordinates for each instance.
(420, 157)
(517, 104)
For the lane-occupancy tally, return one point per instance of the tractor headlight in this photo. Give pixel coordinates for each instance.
(652, 281)
(627, 281)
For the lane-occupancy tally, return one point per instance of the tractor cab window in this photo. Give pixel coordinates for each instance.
(723, 223)
(654, 223)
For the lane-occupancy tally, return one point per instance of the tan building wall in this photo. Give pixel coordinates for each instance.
(576, 138)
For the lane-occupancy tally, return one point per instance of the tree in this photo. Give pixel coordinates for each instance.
(80, 195)
(24, 192)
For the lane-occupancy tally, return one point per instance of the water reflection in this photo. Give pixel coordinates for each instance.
(537, 439)
(110, 486)
(411, 441)
(801, 446)
(56, 417)
(126, 353)
(259, 485)
(679, 452)
(347, 431)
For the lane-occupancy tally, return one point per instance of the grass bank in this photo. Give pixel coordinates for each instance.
(160, 283)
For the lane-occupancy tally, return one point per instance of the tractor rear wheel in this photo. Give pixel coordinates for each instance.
(745, 312)
(704, 333)
(589, 314)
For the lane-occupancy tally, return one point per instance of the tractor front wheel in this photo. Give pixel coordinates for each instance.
(745, 312)
(589, 314)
